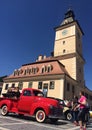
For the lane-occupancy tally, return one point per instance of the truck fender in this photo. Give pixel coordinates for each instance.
(6, 102)
(36, 107)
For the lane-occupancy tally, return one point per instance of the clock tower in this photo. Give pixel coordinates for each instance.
(68, 46)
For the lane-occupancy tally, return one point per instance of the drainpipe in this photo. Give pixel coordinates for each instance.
(64, 86)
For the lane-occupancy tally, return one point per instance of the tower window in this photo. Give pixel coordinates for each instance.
(64, 51)
(63, 42)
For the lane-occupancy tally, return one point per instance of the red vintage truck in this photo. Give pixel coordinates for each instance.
(32, 102)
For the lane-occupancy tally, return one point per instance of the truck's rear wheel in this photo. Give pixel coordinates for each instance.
(69, 116)
(4, 110)
(40, 116)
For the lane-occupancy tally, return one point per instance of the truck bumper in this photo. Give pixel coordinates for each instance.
(56, 113)
(54, 117)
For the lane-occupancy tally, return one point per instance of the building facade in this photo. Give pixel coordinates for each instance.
(1, 83)
(60, 75)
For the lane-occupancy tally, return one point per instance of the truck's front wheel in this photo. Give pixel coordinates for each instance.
(40, 116)
(4, 110)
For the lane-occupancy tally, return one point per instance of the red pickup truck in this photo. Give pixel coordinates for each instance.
(32, 102)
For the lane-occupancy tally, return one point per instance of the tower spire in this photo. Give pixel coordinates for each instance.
(69, 17)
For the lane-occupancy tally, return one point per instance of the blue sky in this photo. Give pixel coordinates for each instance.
(27, 30)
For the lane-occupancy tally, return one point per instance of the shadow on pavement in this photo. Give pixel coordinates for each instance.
(28, 118)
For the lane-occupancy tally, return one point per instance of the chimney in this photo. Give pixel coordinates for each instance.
(40, 57)
(44, 57)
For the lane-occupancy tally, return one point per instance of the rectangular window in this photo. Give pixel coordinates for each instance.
(52, 84)
(6, 86)
(20, 85)
(30, 84)
(13, 85)
(73, 89)
(39, 85)
(68, 87)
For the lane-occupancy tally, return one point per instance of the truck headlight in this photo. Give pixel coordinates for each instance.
(51, 107)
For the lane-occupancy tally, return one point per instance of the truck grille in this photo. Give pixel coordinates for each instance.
(57, 111)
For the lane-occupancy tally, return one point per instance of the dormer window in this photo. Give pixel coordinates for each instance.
(16, 72)
(25, 72)
(35, 70)
(49, 68)
(43, 69)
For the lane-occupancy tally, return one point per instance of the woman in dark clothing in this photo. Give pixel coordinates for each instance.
(17, 92)
(9, 93)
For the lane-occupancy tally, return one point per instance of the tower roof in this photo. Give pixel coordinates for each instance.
(69, 13)
(69, 17)
(69, 20)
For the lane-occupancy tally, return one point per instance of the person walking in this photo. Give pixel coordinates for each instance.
(82, 110)
(75, 111)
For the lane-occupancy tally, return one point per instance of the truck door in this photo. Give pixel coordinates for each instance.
(26, 101)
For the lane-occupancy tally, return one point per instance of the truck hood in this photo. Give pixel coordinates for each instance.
(48, 101)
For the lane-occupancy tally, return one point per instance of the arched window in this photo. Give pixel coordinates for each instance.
(44, 69)
(35, 70)
(49, 68)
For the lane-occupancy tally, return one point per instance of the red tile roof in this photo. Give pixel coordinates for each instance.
(56, 68)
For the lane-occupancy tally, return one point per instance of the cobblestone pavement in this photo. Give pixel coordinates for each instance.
(14, 122)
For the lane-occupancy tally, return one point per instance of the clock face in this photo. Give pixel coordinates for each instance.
(64, 32)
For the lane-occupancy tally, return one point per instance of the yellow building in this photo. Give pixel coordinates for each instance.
(62, 74)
